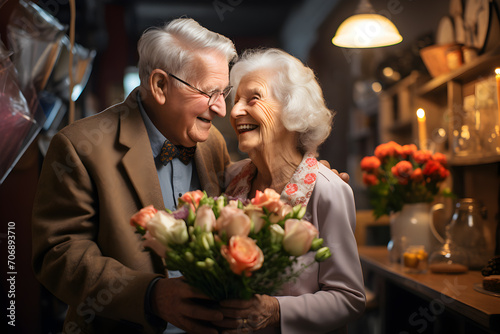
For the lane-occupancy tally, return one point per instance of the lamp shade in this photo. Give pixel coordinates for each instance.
(366, 31)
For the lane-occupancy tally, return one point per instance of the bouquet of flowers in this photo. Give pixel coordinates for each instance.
(398, 175)
(230, 249)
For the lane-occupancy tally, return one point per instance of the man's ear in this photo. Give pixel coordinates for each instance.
(158, 85)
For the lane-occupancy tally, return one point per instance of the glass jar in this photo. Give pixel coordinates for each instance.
(449, 258)
(467, 231)
(414, 259)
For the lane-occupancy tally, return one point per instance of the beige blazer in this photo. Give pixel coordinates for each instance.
(97, 173)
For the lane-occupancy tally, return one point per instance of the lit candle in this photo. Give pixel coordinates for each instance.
(422, 130)
(497, 77)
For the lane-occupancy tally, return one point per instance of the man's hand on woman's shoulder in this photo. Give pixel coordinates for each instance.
(343, 176)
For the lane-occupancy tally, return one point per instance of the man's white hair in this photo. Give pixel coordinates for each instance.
(175, 47)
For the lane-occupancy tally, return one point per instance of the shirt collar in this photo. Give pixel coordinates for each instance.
(156, 138)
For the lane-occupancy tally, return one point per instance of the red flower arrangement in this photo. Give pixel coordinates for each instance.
(401, 174)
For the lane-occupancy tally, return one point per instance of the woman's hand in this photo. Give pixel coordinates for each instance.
(246, 316)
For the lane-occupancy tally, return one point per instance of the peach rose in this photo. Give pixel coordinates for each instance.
(243, 255)
(143, 216)
(192, 198)
(268, 199)
(233, 221)
(299, 235)
(205, 218)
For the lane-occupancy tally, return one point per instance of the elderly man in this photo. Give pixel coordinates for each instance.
(100, 170)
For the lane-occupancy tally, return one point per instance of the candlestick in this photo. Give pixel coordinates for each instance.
(422, 129)
(497, 77)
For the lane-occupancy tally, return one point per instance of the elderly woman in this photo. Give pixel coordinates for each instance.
(280, 118)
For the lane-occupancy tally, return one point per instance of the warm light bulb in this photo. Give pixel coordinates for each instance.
(376, 87)
(497, 71)
(420, 113)
(388, 71)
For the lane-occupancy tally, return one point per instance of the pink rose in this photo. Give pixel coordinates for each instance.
(299, 235)
(192, 198)
(205, 218)
(243, 255)
(153, 244)
(268, 199)
(143, 216)
(233, 221)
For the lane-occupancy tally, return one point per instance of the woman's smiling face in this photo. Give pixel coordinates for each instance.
(256, 115)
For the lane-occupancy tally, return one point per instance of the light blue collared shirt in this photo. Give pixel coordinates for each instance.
(175, 178)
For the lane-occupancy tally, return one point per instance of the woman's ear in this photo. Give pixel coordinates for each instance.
(158, 85)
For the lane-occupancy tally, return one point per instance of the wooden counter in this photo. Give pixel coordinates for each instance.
(422, 302)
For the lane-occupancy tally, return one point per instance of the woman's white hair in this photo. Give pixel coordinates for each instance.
(295, 86)
(175, 47)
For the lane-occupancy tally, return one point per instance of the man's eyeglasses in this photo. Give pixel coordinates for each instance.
(213, 97)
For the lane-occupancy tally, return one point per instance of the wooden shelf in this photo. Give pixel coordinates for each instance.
(483, 64)
(474, 160)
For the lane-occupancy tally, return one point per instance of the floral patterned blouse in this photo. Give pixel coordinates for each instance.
(297, 191)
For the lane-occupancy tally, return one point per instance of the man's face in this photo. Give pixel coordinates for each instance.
(186, 117)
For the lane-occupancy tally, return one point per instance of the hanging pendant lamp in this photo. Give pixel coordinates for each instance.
(366, 29)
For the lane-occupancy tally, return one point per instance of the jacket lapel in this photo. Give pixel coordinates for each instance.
(138, 161)
(208, 178)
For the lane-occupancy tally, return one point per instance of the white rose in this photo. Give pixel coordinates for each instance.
(166, 229)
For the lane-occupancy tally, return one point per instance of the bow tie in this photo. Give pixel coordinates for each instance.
(170, 151)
